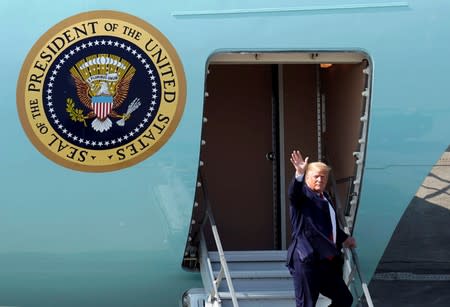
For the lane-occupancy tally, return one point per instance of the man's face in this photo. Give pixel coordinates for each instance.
(316, 180)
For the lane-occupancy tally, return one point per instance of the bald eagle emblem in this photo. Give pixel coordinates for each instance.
(102, 82)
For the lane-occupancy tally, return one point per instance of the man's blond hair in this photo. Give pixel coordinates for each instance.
(317, 166)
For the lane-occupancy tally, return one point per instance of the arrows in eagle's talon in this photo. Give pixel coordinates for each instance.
(136, 103)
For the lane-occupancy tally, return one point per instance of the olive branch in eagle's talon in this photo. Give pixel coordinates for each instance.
(75, 114)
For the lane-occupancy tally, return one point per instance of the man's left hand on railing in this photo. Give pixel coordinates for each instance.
(350, 242)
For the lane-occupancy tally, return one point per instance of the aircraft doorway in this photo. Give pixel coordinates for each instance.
(256, 112)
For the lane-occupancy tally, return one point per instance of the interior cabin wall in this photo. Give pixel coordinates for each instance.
(238, 136)
(300, 128)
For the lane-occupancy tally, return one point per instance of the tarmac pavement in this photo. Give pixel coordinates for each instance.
(415, 267)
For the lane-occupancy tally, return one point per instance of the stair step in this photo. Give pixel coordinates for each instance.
(241, 274)
(267, 299)
(268, 295)
(244, 285)
(250, 256)
(197, 297)
(242, 263)
(260, 298)
(252, 266)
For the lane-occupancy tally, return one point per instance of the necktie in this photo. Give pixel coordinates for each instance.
(328, 217)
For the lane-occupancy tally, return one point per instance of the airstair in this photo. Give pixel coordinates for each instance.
(259, 278)
(256, 278)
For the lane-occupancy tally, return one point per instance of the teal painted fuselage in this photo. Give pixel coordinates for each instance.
(117, 238)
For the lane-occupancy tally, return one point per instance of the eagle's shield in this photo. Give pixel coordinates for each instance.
(102, 106)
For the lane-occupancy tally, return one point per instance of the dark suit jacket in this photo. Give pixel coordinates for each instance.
(311, 225)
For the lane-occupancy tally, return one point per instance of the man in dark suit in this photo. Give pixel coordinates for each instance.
(314, 256)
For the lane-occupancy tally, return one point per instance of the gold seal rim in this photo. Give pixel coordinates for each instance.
(100, 14)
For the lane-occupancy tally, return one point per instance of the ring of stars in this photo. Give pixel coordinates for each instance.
(116, 141)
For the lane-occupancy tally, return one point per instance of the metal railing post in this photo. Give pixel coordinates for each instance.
(223, 263)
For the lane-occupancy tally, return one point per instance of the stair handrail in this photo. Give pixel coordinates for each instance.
(350, 254)
(223, 262)
(364, 286)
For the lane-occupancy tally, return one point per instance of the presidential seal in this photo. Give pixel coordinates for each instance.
(101, 91)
